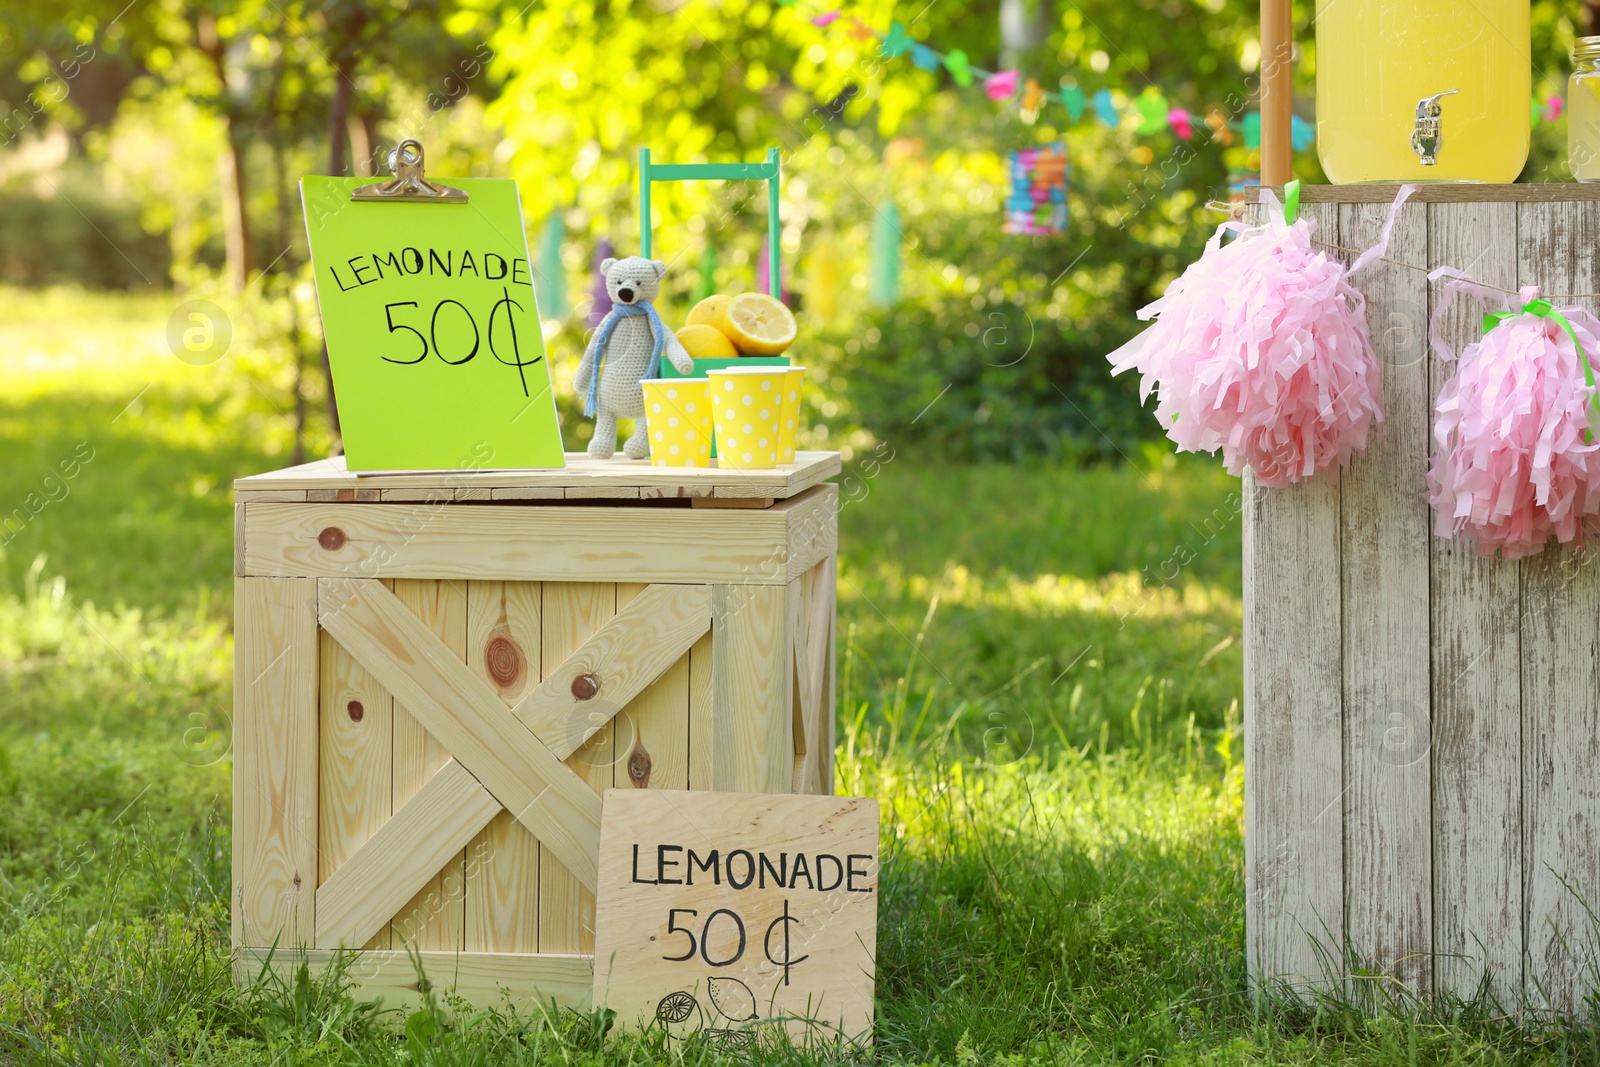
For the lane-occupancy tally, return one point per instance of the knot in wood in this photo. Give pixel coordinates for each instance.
(332, 538)
(585, 686)
(356, 710)
(503, 660)
(639, 767)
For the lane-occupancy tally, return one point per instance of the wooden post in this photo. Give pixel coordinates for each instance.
(1277, 91)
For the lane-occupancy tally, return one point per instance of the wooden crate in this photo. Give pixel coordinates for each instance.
(1422, 725)
(437, 674)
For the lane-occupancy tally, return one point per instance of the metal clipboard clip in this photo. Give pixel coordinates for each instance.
(408, 185)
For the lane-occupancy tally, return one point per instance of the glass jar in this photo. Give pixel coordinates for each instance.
(1583, 110)
(1423, 90)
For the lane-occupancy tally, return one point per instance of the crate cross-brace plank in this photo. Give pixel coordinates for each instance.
(1422, 724)
(509, 656)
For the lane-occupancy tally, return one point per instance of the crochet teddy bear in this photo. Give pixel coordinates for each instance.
(627, 346)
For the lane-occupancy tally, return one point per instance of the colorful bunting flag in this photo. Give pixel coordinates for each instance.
(1105, 109)
(1001, 86)
(885, 281)
(1074, 101)
(1152, 111)
(955, 61)
(897, 42)
(1032, 97)
(1301, 133)
(552, 274)
(602, 296)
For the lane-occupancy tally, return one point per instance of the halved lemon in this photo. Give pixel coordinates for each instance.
(706, 342)
(709, 310)
(758, 325)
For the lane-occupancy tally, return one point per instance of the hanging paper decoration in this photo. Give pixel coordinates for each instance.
(822, 281)
(897, 41)
(960, 68)
(1155, 116)
(1105, 108)
(1261, 349)
(1152, 111)
(1301, 133)
(764, 272)
(886, 233)
(1038, 201)
(1032, 101)
(602, 296)
(1252, 130)
(1001, 86)
(1515, 457)
(1074, 101)
(1217, 122)
(552, 292)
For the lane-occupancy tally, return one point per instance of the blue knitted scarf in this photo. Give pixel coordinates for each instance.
(618, 311)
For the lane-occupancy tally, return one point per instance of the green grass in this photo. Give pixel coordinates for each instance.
(1039, 670)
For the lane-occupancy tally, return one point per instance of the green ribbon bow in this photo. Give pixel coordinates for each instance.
(1545, 310)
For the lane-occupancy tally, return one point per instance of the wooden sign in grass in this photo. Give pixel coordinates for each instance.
(727, 916)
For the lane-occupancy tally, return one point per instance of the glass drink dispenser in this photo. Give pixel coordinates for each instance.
(1423, 90)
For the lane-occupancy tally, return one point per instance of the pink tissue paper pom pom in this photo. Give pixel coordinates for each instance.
(1261, 349)
(1511, 467)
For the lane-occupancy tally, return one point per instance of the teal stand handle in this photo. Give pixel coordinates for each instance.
(733, 172)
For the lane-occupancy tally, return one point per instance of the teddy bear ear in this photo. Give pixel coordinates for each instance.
(607, 264)
(661, 268)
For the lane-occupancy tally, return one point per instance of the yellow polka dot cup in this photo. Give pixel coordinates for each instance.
(678, 418)
(747, 410)
(790, 414)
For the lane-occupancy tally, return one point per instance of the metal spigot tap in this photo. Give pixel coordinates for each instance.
(1428, 135)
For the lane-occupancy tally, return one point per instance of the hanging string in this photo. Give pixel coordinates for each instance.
(1235, 210)
(1568, 297)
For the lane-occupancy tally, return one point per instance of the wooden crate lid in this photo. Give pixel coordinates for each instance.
(1441, 193)
(582, 478)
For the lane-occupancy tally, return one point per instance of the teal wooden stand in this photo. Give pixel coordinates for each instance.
(733, 172)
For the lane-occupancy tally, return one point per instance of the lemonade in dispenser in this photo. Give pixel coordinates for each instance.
(1423, 90)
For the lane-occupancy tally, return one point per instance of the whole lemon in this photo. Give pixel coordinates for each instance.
(706, 342)
(709, 310)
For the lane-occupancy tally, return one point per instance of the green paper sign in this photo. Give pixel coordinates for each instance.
(432, 329)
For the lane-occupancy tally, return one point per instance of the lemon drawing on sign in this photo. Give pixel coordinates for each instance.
(676, 1007)
(732, 998)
